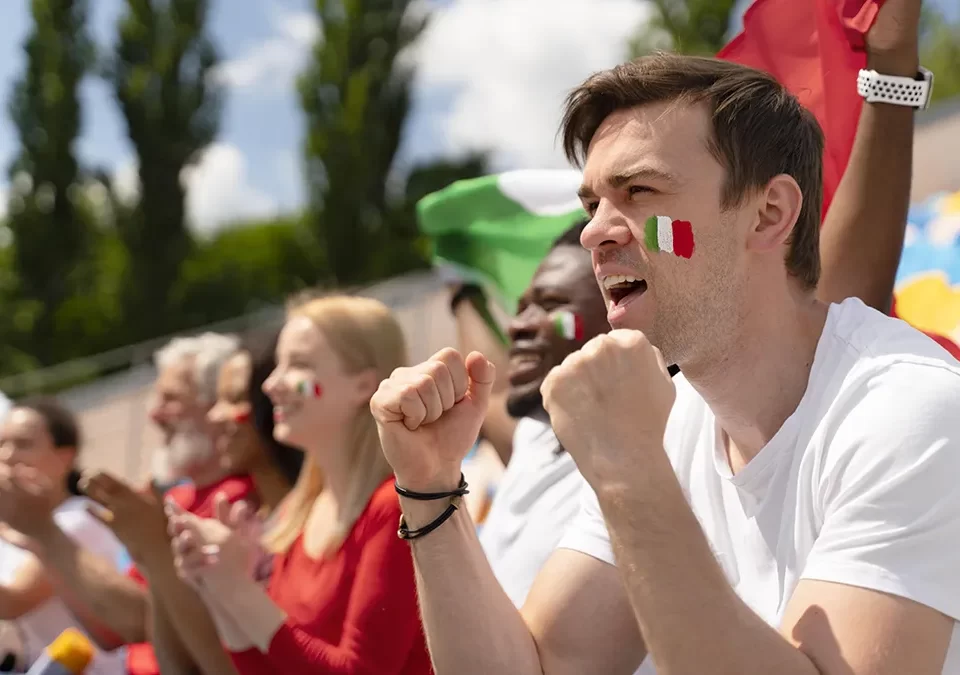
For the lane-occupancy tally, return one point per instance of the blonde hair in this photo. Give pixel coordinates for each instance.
(366, 336)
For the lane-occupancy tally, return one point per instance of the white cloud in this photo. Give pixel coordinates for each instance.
(273, 64)
(218, 190)
(512, 62)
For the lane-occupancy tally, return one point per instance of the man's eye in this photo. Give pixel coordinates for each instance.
(641, 189)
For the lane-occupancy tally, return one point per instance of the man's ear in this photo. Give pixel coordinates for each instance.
(778, 209)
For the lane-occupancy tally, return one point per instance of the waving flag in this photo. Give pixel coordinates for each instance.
(495, 230)
(815, 49)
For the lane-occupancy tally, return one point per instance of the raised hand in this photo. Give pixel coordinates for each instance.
(609, 403)
(223, 549)
(27, 500)
(136, 518)
(429, 416)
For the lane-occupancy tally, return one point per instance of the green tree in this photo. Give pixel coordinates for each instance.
(161, 74)
(688, 26)
(940, 52)
(50, 236)
(356, 97)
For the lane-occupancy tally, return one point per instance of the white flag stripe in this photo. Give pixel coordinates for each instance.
(569, 326)
(665, 234)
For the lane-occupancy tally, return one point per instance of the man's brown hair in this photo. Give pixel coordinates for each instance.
(760, 130)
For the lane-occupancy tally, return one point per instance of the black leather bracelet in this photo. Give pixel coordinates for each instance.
(405, 533)
(432, 496)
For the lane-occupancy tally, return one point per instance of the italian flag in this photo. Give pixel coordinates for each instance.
(495, 230)
(663, 234)
(568, 325)
(309, 389)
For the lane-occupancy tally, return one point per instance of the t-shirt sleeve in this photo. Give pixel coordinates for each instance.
(588, 532)
(887, 493)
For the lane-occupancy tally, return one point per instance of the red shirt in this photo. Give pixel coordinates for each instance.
(141, 659)
(355, 612)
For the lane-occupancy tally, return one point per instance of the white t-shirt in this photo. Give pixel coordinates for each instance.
(858, 487)
(537, 499)
(45, 623)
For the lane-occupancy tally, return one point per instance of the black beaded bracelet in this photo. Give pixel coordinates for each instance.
(432, 496)
(406, 533)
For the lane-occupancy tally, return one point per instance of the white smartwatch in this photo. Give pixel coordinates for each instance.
(912, 92)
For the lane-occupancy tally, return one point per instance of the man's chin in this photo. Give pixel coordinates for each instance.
(525, 403)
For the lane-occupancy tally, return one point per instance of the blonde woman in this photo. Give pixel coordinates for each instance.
(341, 597)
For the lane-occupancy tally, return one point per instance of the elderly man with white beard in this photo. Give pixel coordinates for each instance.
(185, 390)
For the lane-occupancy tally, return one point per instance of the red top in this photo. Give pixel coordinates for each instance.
(141, 659)
(355, 612)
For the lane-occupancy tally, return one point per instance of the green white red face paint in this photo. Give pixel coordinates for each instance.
(568, 325)
(663, 234)
(309, 389)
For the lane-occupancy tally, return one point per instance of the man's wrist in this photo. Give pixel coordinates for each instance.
(905, 63)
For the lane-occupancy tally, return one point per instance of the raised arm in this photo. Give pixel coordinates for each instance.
(428, 416)
(862, 235)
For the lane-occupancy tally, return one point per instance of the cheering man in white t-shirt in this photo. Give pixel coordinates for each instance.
(788, 505)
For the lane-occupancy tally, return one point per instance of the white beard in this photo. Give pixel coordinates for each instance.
(189, 447)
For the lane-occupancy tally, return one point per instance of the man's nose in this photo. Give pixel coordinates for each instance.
(608, 227)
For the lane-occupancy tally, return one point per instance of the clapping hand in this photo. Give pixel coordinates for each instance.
(27, 499)
(136, 518)
(220, 550)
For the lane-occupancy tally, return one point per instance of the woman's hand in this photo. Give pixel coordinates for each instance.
(215, 551)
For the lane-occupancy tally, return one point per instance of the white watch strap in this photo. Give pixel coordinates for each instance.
(896, 90)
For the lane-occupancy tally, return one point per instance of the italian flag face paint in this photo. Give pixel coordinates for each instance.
(663, 234)
(309, 389)
(568, 325)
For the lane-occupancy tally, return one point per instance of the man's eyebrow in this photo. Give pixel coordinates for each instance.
(622, 178)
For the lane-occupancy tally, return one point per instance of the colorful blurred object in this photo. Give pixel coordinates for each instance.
(928, 281)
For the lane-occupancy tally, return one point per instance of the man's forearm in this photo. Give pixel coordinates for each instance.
(679, 593)
(117, 602)
(862, 235)
(472, 627)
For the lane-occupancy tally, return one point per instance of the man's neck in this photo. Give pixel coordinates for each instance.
(759, 380)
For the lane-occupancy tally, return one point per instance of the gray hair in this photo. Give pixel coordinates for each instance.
(206, 352)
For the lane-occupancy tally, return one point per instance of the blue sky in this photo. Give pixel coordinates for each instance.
(492, 75)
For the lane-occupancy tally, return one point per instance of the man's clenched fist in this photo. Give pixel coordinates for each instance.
(609, 403)
(429, 416)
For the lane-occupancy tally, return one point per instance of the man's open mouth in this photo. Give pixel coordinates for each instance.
(620, 287)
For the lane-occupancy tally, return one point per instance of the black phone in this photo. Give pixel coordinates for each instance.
(73, 483)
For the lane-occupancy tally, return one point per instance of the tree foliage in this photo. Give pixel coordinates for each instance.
(161, 75)
(940, 52)
(696, 27)
(356, 96)
(50, 235)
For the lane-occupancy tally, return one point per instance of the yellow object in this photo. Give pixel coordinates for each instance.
(930, 303)
(72, 650)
